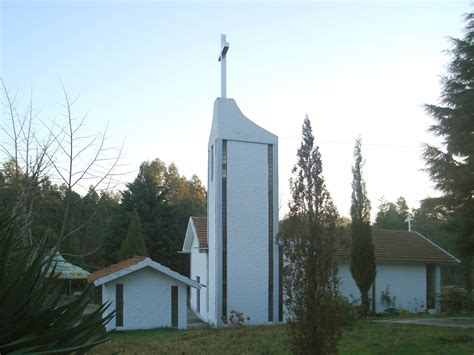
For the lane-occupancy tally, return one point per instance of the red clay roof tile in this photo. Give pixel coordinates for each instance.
(201, 227)
(115, 268)
(397, 246)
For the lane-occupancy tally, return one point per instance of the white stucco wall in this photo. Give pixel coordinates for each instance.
(405, 282)
(146, 300)
(347, 284)
(199, 268)
(247, 230)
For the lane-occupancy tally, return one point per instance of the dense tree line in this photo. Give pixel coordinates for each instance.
(163, 199)
(392, 215)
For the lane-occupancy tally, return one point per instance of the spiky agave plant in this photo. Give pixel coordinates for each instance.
(32, 319)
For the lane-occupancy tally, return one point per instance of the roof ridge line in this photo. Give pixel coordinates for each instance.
(437, 246)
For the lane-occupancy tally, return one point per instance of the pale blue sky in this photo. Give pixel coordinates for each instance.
(150, 69)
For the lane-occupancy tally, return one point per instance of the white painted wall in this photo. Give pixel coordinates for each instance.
(146, 300)
(347, 285)
(247, 221)
(406, 282)
(199, 268)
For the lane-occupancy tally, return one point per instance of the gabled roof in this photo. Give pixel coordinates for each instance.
(200, 223)
(115, 268)
(66, 270)
(400, 247)
(197, 227)
(128, 266)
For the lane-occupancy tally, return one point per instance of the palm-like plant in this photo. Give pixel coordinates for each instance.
(32, 318)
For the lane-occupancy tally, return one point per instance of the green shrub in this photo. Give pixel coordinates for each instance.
(347, 312)
(387, 299)
(455, 300)
(391, 312)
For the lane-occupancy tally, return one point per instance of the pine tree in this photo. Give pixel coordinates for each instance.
(308, 243)
(452, 166)
(133, 244)
(363, 267)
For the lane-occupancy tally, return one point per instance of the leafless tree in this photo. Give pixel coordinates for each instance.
(63, 153)
(26, 156)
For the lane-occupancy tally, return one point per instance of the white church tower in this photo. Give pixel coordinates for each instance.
(243, 257)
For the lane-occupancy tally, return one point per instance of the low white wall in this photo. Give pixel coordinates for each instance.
(406, 284)
(146, 300)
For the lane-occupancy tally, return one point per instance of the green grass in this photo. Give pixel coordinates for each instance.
(362, 338)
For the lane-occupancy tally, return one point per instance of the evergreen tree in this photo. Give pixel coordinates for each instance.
(363, 267)
(452, 166)
(430, 220)
(308, 243)
(392, 215)
(164, 200)
(133, 244)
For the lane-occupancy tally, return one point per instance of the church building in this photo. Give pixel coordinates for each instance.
(233, 250)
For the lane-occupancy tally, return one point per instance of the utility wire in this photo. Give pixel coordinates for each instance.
(365, 143)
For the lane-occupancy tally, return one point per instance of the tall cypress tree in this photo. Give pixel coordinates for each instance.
(452, 166)
(308, 242)
(133, 244)
(363, 267)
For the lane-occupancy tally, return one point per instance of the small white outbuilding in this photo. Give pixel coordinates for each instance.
(144, 294)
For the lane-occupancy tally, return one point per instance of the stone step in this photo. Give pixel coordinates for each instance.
(194, 321)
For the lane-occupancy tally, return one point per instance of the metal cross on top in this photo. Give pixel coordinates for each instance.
(408, 220)
(222, 55)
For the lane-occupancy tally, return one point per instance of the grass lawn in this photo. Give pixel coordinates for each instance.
(362, 338)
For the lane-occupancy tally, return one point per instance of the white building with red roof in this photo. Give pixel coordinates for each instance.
(408, 270)
(144, 294)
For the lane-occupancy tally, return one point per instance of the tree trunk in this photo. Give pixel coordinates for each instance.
(365, 304)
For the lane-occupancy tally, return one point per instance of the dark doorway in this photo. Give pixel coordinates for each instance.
(430, 287)
(119, 305)
(198, 295)
(174, 306)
